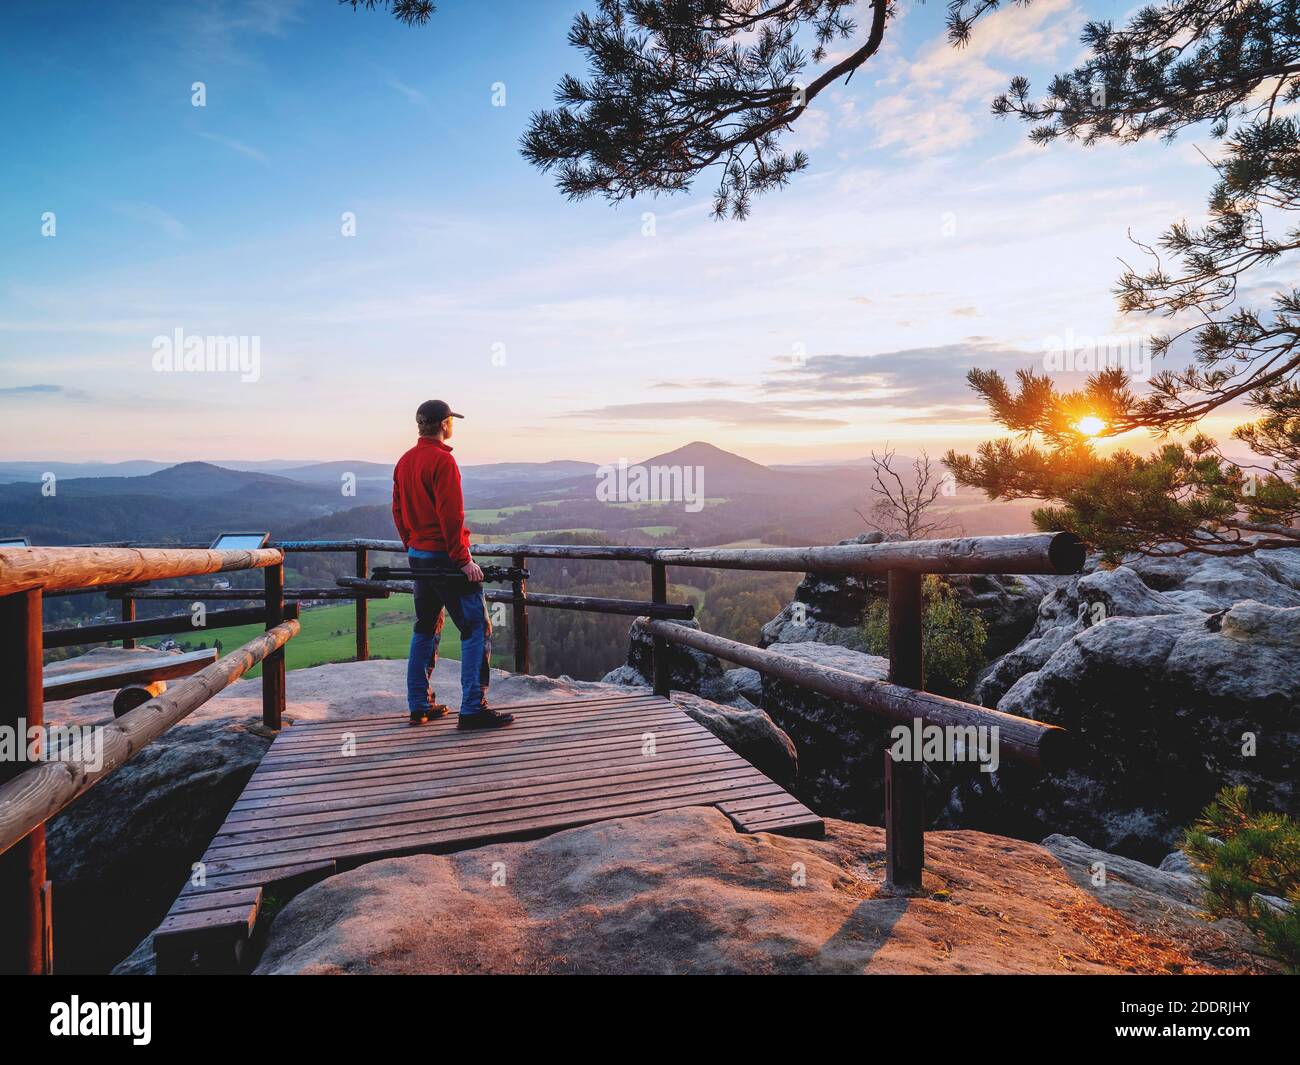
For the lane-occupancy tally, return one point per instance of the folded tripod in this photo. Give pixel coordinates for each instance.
(491, 574)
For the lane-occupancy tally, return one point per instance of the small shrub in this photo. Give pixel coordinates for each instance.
(952, 637)
(1241, 855)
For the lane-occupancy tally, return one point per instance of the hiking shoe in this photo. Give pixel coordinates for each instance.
(429, 713)
(485, 718)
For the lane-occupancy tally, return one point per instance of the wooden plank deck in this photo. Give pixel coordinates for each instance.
(330, 795)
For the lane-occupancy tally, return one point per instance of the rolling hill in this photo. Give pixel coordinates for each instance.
(744, 501)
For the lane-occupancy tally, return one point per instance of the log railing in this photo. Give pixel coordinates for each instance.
(900, 699)
(1020, 739)
(29, 797)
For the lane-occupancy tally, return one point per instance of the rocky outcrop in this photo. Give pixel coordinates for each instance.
(1144, 587)
(1167, 901)
(1165, 709)
(841, 747)
(1064, 613)
(689, 670)
(830, 609)
(751, 733)
(1177, 675)
(714, 698)
(121, 852)
(748, 683)
(1209, 583)
(1166, 670)
(683, 892)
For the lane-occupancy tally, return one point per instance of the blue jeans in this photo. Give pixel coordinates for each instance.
(468, 609)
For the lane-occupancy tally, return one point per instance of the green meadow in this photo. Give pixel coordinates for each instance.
(329, 635)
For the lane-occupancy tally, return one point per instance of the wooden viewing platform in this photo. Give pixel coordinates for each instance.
(331, 795)
(338, 794)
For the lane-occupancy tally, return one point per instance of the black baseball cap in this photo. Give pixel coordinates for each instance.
(434, 412)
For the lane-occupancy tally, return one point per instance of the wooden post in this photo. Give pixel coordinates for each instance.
(128, 614)
(273, 664)
(659, 647)
(26, 942)
(363, 608)
(904, 805)
(520, 589)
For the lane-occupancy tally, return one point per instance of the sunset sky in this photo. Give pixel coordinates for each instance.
(926, 237)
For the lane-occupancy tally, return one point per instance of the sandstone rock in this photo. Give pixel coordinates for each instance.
(1164, 585)
(1031, 655)
(689, 670)
(1008, 605)
(841, 748)
(1120, 592)
(682, 892)
(120, 854)
(1216, 583)
(1089, 867)
(827, 609)
(1162, 709)
(748, 683)
(626, 677)
(1065, 612)
(830, 609)
(1165, 902)
(750, 733)
(1279, 906)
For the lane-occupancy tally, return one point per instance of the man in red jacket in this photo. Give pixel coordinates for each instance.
(429, 512)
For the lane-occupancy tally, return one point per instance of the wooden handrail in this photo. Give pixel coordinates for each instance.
(590, 603)
(57, 569)
(225, 595)
(1024, 740)
(1058, 553)
(213, 621)
(1027, 553)
(28, 800)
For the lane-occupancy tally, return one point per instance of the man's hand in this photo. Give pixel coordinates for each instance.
(472, 571)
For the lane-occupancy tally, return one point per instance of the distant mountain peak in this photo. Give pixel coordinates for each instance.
(702, 453)
(189, 467)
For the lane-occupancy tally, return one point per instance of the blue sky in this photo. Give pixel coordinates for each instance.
(926, 237)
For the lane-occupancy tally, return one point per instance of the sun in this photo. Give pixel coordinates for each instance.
(1090, 426)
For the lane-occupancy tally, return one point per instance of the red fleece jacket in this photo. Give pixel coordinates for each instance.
(428, 506)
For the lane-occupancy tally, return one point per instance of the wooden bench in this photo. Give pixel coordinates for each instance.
(151, 668)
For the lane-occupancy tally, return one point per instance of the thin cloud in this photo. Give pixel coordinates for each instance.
(150, 214)
(947, 416)
(941, 99)
(729, 413)
(931, 376)
(236, 146)
(226, 32)
(701, 383)
(21, 392)
(27, 390)
(409, 91)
